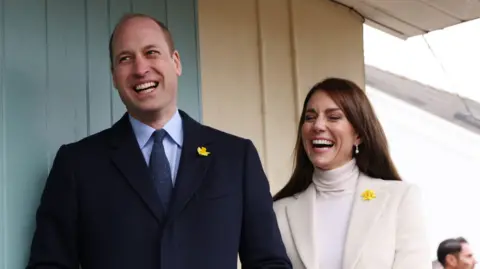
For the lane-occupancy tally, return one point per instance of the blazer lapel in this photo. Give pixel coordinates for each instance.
(301, 219)
(127, 157)
(193, 166)
(363, 218)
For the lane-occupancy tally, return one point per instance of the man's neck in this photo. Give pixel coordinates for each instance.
(155, 120)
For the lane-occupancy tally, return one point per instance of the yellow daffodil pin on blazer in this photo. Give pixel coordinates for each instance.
(368, 195)
(202, 151)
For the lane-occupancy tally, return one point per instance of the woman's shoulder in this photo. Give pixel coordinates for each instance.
(283, 202)
(394, 187)
(280, 205)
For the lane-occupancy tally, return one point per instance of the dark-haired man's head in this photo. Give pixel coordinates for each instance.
(145, 68)
(455, 253)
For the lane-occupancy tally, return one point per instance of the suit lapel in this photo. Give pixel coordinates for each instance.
(301, 219)
(363, 218)
(127, 157)
(193, 166)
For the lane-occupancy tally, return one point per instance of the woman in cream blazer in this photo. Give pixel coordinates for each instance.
(345, 206)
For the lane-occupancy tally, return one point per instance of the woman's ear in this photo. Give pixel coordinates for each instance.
(358, 140)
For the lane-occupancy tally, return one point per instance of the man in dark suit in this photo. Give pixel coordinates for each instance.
(157, 190)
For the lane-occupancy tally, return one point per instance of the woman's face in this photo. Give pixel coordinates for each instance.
(327, 135)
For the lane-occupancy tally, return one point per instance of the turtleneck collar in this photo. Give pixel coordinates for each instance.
(341, 180)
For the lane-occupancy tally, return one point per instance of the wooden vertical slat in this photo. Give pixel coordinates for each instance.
(3, 183)
(55, 88)
(99, 90)
(25, 85)
(117, 8)
(182, 21)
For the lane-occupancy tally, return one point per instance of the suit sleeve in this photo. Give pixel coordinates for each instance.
(412, 247)
(54, 244)
(261, 246)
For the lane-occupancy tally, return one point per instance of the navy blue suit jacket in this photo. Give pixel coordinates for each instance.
(99, 207)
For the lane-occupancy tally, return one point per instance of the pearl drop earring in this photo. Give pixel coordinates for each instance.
(356, 149)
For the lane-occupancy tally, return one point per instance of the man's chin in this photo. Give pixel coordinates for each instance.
(149, 110)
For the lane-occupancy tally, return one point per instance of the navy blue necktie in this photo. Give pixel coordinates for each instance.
(160, 169)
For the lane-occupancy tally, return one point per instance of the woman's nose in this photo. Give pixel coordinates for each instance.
(319, 125)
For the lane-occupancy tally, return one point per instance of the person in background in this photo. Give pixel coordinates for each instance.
(345, 205)
(157, 190)
(456, 253)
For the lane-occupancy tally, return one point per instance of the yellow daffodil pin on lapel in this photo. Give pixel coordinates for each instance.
(202, 151)
(368, 195)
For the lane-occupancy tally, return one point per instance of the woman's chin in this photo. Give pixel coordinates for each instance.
(323, 165)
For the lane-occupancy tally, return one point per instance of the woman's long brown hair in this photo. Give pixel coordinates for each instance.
(373, 159)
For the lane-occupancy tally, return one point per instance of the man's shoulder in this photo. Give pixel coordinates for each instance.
(223, 136)
(83, 152)
(91, 142)
(228, 145)
(207, 132)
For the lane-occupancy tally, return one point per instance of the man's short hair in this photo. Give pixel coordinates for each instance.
(166, 32)
(451, 246)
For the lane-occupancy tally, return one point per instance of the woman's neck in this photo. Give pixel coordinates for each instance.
(340, 180)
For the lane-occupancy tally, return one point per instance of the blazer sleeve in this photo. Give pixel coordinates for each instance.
(261, 246)
(54, 243)
(412, 247)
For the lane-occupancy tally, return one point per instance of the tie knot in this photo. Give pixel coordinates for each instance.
(158, 135)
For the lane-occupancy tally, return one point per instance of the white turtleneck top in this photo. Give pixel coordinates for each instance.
(335, 190)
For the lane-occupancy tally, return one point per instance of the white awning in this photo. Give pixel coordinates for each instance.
(407, 18)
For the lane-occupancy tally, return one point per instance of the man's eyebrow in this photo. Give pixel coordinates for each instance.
(123, 52)
(150, 47)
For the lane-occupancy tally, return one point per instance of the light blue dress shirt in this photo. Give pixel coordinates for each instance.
(172, 142)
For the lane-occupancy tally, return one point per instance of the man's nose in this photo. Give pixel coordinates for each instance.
(141, 66)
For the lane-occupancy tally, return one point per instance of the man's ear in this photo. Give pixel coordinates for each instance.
(114, 82)
(177, 62)
(451, 260)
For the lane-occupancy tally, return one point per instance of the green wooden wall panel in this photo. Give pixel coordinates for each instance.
(99, 87)
(155, 8)
(66, 94)
(117, 8)
(3, 184)
(26, 150)
(182, 21)
(55, 88)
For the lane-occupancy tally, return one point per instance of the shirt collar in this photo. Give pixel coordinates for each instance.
(173, 127)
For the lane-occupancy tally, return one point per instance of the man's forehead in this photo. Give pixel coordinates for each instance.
(138, 29)
(137, 24)
(466, 248)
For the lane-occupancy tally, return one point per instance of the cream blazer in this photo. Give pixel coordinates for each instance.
(387, 232)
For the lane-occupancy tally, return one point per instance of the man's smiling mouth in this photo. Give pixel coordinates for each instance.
(146, 86)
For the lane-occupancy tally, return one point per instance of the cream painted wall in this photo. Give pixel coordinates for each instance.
(258, 60)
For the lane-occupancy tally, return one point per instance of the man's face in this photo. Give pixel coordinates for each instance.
(464, 259)
(145, 71)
